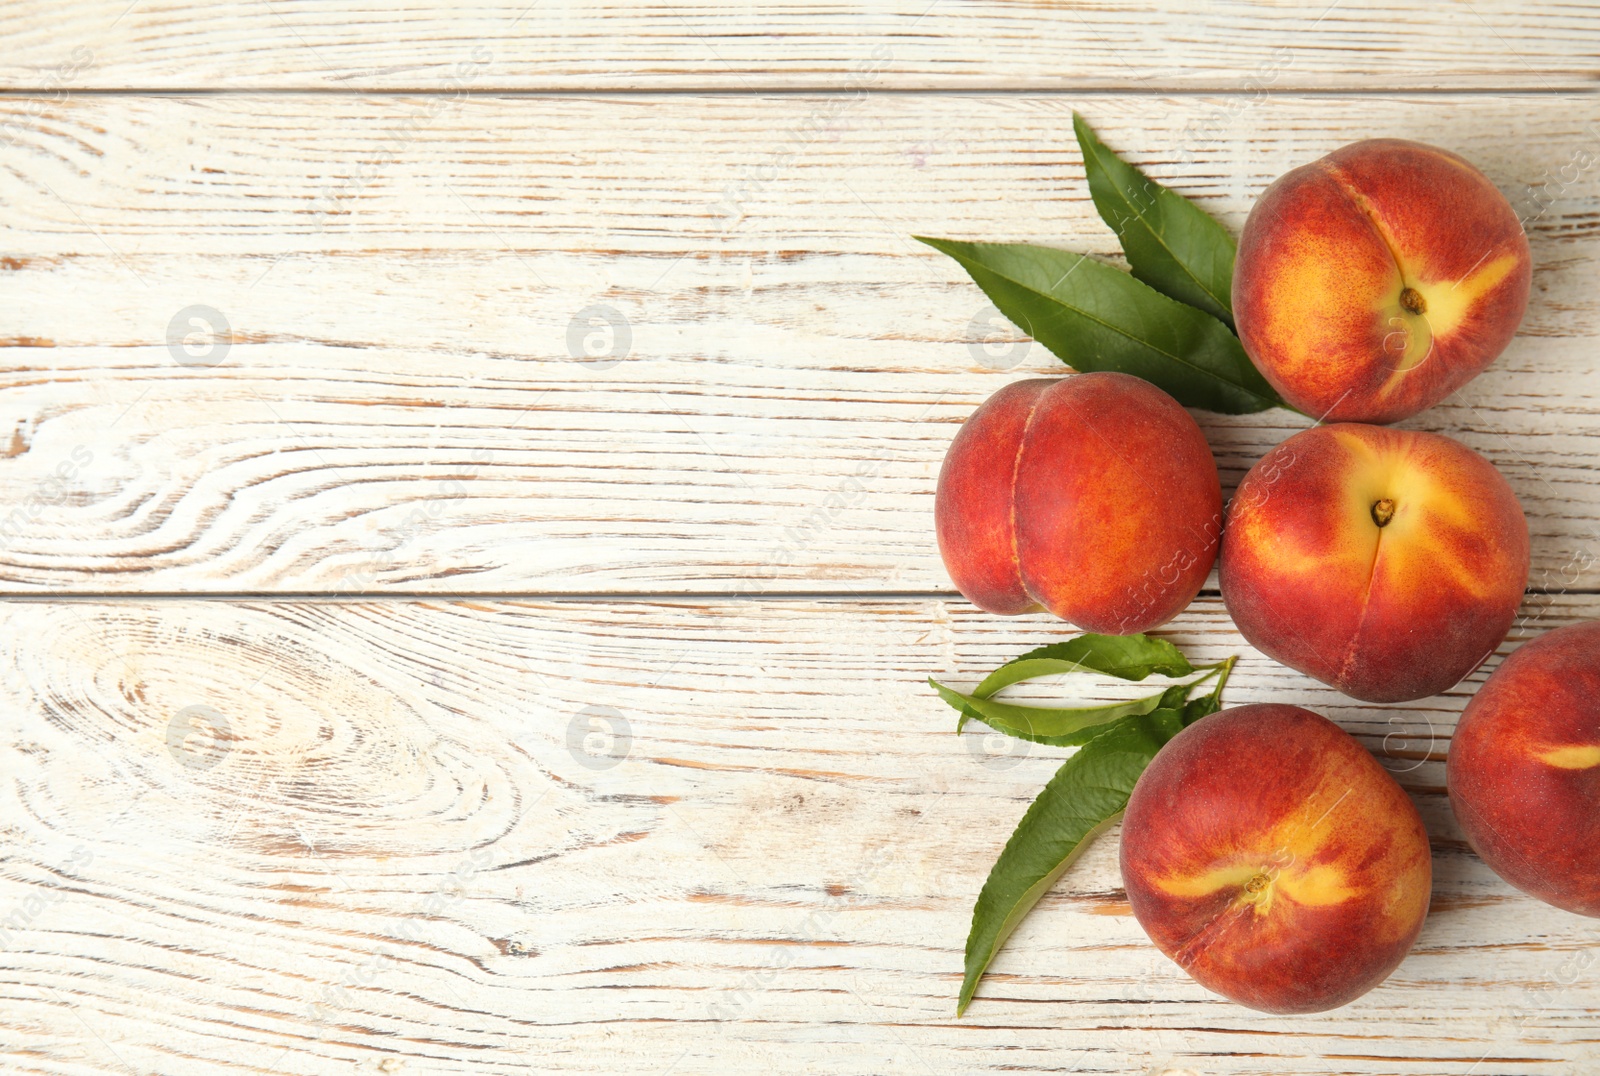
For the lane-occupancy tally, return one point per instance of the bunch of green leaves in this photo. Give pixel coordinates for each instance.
(1090, 791)
(1169, 322)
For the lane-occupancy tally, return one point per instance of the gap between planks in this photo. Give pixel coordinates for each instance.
(568, 597)
(713, 90)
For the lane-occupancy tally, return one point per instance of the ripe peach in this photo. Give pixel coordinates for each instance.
(1524, 769)
(1374, 282)
(1270, 855)
(1094, 496)
(1385, 562)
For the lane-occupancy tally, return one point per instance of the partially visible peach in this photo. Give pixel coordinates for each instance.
(1269, 854)
(1386, 563)
(1374, 282)
(1094, 496)
(1524, 769)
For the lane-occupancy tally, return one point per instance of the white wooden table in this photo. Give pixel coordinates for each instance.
(467, 558)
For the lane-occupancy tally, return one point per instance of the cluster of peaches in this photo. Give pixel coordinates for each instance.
(1263, 849)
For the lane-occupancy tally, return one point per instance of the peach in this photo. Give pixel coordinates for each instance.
(1269, 854)
(1524, 769)
(1094, 496)
(1386, 563)
(1374, 282)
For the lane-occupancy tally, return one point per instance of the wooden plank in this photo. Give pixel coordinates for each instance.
(395, 405)
(411, 849)
(899, 44)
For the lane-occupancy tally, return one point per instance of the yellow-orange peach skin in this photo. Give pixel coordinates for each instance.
(1524, 769)
(1374, 282)
(1386, 563)
(1094, 496)
(1275, 860)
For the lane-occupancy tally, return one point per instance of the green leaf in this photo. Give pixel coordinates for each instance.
(1088, 793)
(1060, 726)
(1172, 244)
(1131, 657)
(1095, 317)
(1207, 704)
(1127, 657)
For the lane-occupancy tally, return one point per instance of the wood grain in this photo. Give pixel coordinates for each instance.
(1228, 45)
(394, 404)
(386, 836)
